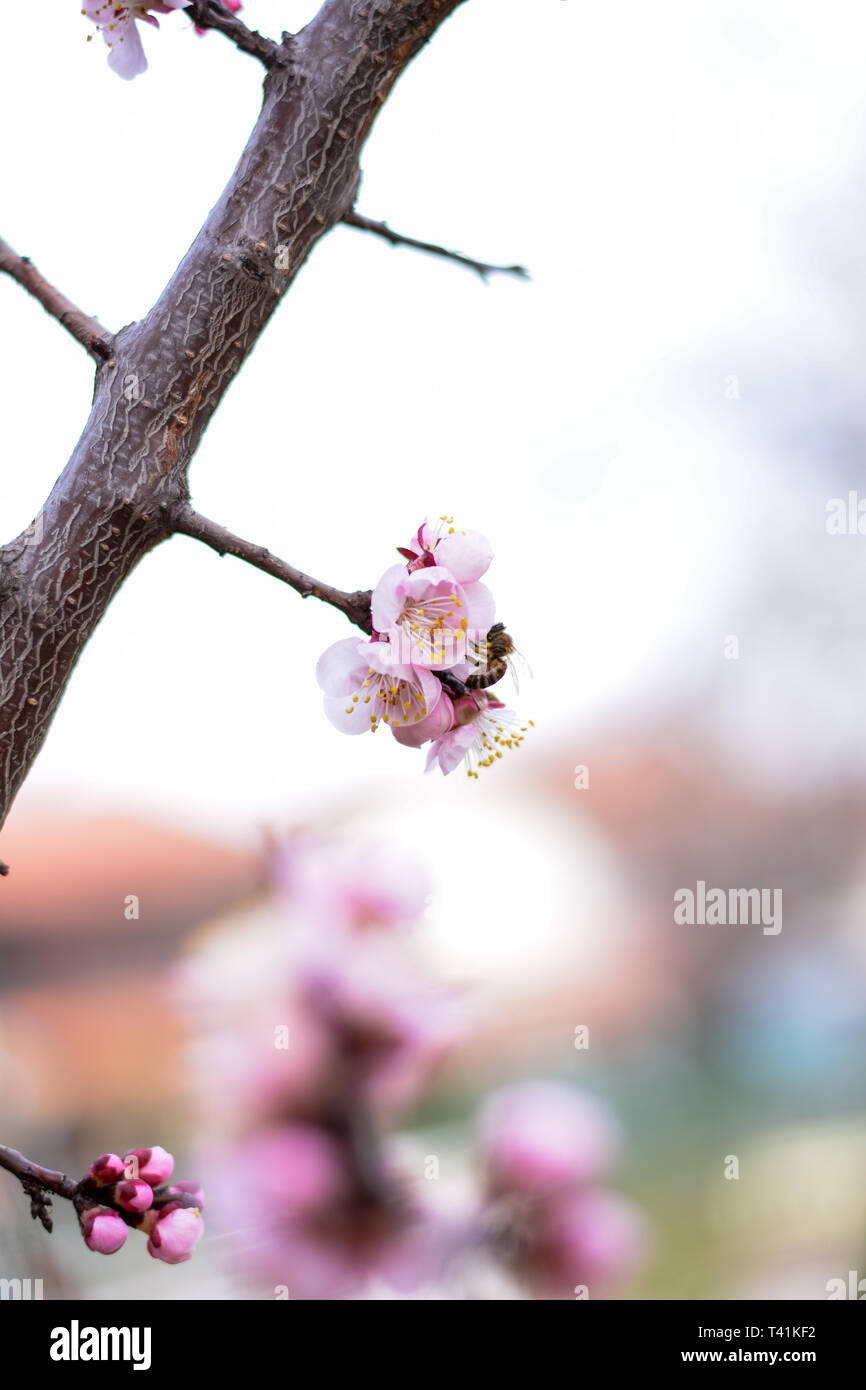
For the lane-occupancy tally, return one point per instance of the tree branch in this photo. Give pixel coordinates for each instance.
(26, 1171)
(381, 229)
(210, 14)
(166, 375)
(356, 606)
(84, 329)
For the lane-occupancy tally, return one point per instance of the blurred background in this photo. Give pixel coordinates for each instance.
(654, 434)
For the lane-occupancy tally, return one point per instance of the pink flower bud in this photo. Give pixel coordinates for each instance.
(539, 1136)
(175, 1233)
(106, 1169)
(104, 1231)
(133, 1196)
(193, 1192)
(153, 1165)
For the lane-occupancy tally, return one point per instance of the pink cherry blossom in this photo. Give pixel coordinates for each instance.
(133, 1196)
(153, 1166)
(467, 554)
(103, 1230)
(117, 25)
(430, 619)
(364, 687)
(541, 1137)
(482, 729)
(175, 1233)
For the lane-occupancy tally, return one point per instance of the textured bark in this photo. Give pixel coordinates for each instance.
(166, 375)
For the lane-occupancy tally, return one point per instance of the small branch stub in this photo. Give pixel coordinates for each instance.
(210, 14)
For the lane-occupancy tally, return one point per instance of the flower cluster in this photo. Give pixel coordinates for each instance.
(543, 1148)
(306, 1183)
(117, 25)
(425, 670)
(324, 1036)
(117, 1193)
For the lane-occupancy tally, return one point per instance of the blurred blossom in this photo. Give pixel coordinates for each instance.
(595, 1239)
(303, 1176)
(337, 1031)
(539, 1137)
(310, 1211)
(541, 1144)
(349, 886)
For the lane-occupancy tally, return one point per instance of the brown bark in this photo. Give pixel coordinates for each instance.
(165, 376)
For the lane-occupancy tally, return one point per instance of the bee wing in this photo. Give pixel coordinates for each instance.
(517, 661)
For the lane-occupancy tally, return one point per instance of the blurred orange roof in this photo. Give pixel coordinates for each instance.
(73, 873)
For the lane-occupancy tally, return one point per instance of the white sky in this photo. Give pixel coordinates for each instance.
(646, 162)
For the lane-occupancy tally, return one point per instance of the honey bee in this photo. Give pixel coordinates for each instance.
(497, 650)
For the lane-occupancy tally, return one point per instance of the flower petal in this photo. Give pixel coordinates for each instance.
(349, 716)
(340, 668)
(467, 554)
(480, 608)
(387, 598)
(434, 725)
(127, 54)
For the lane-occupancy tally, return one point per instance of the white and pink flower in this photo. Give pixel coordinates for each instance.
(365, 687)
(430, 618)
(467, 554)
(481, 731)
(117, 25)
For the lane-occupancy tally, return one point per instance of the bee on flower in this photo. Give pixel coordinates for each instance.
(434, 653)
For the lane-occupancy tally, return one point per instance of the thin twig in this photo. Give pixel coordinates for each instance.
(356, 606)
(210, 14)
(31, 1174)
(84, 329)
(482, 268)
